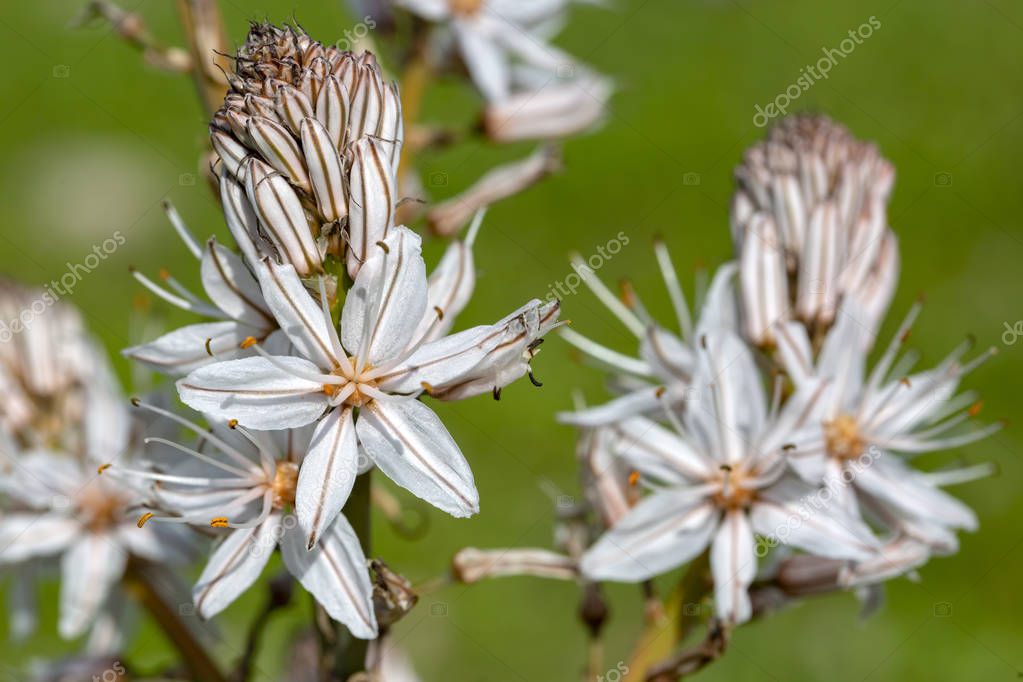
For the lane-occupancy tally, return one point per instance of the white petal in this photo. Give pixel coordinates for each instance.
(327, 473)
(647, 400)
(188, 348)
(88, 570)
(408, 442)
(387, 301)
(234, 565)
(734, 564)
(508, 360)
(659, 453)
(663, 531)
(443, 361)
(255, 392)
(671, 359)
(335, 573)
(25, 536)
(908, 491)
(231, 286)
(802, 516)
(485, 61)
(300, 316)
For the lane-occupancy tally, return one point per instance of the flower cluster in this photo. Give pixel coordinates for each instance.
(757, 427)
(328, 333)
(63, 421)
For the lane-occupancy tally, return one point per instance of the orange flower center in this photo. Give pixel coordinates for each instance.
(842, 437)
(285, 483)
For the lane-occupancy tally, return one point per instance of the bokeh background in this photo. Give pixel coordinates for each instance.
(93, 140)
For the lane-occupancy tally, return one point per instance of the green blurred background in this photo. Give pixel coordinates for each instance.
(93, 140)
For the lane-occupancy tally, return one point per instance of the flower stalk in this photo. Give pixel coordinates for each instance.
(139, 584)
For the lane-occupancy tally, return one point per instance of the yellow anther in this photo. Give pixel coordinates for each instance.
(633, 479)
(103, 467)
(219, 522)
(249, 342)
(232, 423)
(975, 408)
(142, 519)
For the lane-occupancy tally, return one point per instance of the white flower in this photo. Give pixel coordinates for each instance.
(718, 480)
(60, 508)
(666, 360)
(248, 484)
(381, 362)
(858, 421)
(809, 222)
(492, 34)
(45, 365)
(236, 302)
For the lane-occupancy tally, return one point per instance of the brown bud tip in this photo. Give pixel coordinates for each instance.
(135, 401)
(209, 349)
(661, 390)
(164, 273)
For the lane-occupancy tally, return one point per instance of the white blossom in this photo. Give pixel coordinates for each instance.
(378, 366)
(718, 480)
(864, 427)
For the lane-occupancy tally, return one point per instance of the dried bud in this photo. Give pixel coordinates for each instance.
(393, 596)
(809, 222)
(471, 565)
(553, 111)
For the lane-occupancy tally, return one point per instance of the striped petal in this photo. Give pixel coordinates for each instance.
(408, 442)
(327, 474)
